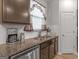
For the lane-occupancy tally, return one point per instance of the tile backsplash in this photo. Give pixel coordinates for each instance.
(3, 34)
(20, 29)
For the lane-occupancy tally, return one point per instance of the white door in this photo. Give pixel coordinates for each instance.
(68, 32)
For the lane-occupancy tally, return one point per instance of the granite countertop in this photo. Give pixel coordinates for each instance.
(13, 48)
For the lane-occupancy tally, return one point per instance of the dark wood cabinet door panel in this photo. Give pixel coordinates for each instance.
(49, 49)
(16, 11)
(45, 44)
(45, 53)
(52, 49)
(45, 50)
(56, 46)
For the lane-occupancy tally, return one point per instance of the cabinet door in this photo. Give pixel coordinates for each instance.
(56, 46)
(16, 11)
(52, 49)
(45, 53)
(45, 50)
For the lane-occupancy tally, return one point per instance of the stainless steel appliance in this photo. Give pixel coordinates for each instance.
(32, 53)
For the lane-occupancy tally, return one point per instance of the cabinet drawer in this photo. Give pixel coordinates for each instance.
(44, 45)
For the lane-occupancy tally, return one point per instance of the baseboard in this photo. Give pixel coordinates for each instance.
(67, 53)
(75, 53)
(59, 53)
(70, 54)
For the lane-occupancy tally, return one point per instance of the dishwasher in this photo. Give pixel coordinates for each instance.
(32, 53)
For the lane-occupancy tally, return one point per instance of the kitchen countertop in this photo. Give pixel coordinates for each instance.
(13, 48)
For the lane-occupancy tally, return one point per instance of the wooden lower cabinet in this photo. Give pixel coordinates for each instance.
(52, 49)
(45, 53)
(49, 49)
(56, 46)
(45, 50)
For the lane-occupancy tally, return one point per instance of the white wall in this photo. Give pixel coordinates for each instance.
(53, 20)
(53, 15)
(53, 12)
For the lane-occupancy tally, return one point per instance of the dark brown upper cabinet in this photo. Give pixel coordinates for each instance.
(15, 11)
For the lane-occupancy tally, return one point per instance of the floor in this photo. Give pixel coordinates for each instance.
(66, 56)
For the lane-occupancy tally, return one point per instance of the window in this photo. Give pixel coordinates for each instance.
(37, 16)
